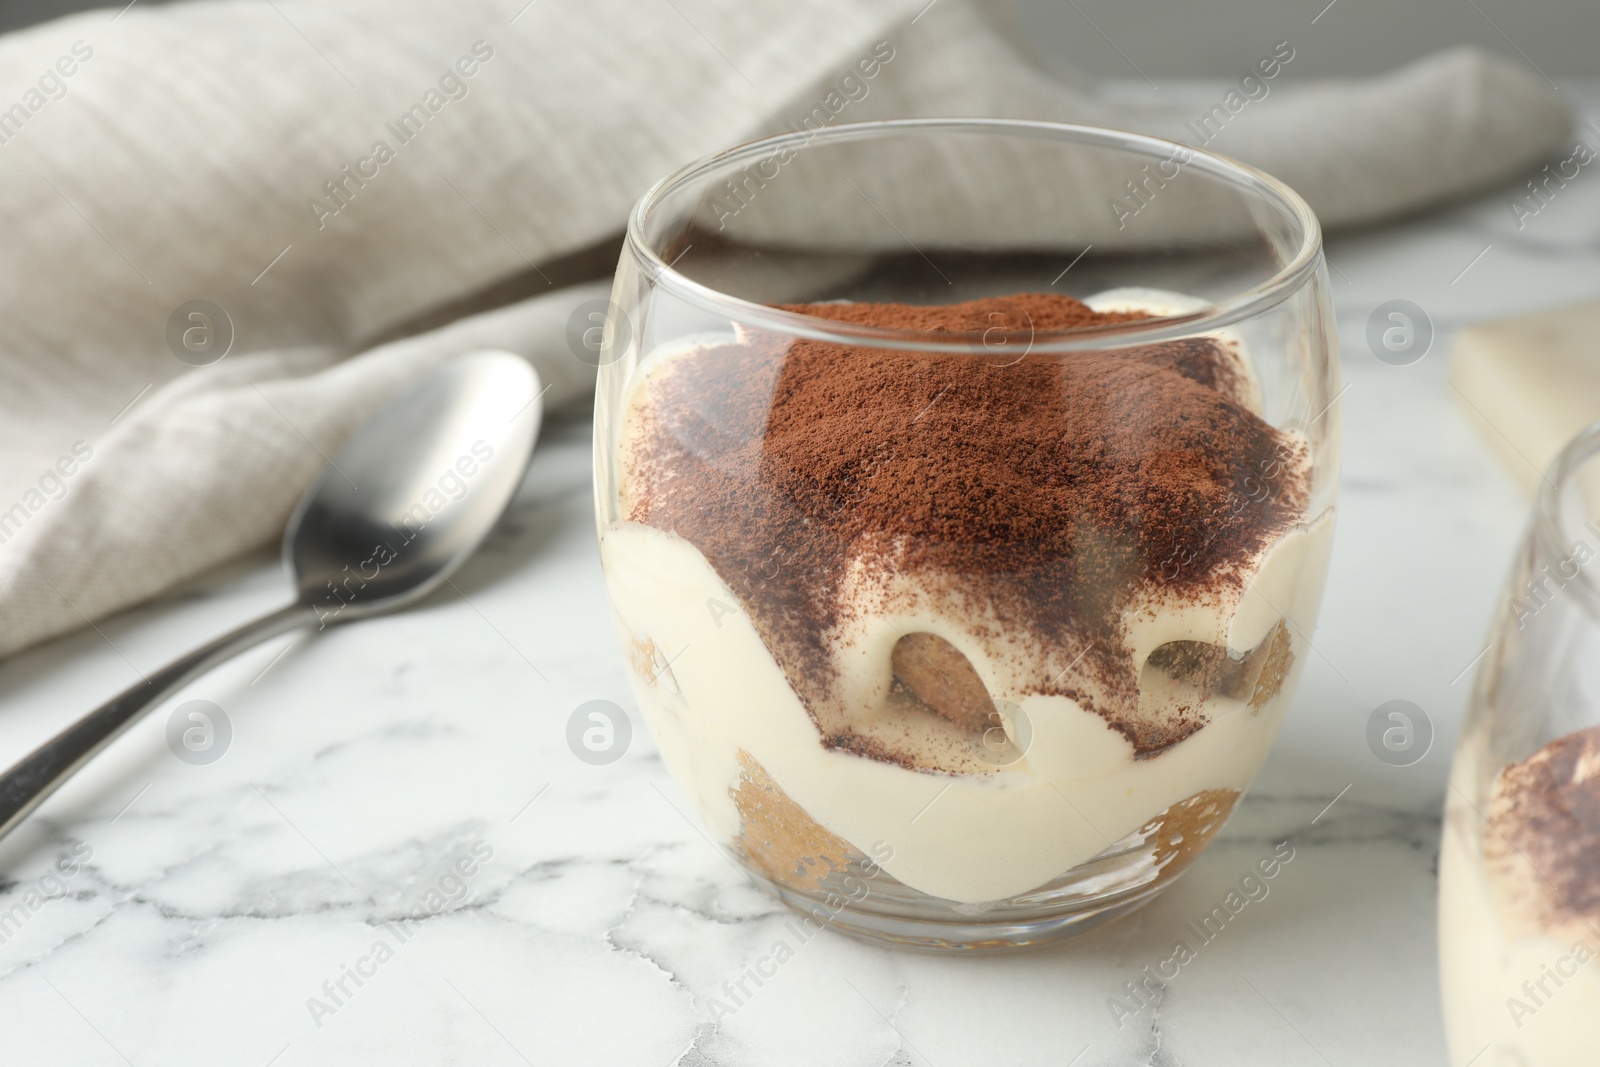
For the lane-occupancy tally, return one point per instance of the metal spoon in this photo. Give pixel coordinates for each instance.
(405, 501)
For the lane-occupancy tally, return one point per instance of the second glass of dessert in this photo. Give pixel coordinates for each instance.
(1519, 862)
(965, 495)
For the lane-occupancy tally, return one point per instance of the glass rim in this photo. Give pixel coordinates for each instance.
(1549, 527)
(1288, 280)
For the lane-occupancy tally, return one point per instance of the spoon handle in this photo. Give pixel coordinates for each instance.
(28, 781)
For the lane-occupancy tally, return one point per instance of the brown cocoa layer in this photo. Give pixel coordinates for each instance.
(1040, 493)
(1543, 839)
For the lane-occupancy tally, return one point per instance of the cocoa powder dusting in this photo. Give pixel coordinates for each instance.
(1039, 493)
(1545, 829)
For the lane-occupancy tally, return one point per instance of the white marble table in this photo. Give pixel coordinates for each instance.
(215, 910)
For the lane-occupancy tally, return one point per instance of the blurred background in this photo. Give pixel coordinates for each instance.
(1218, 38)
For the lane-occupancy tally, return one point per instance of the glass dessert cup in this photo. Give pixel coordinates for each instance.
(1519, 865)
(965, 624)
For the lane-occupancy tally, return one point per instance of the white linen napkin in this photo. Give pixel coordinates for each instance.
(335, 173)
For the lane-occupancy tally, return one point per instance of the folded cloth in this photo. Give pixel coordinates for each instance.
(328, 175)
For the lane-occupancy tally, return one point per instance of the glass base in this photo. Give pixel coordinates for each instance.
(862, 900)
(975, 936)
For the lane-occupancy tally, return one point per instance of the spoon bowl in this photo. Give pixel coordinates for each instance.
(415, 490)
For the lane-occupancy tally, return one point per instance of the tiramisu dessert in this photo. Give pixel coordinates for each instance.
(1519, 909)
(972, 619)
